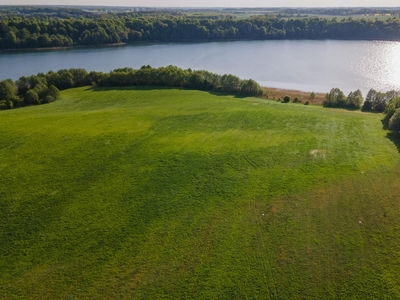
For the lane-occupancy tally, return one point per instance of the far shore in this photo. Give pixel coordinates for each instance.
(61, 48)
(176, 42)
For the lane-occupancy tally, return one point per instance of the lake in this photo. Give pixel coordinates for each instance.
(304, 65)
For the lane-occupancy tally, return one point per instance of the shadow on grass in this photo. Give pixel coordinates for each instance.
(214, 93)
(129, 88)
(153, 88)
(395, 139)
(352, 109)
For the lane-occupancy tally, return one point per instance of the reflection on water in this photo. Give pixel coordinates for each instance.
(306, 65)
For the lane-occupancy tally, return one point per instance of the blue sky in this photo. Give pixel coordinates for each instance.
(211, 3)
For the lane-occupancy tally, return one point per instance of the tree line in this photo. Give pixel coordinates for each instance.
(387, 103)
(44, 88)
(391, 118)
(341, 11)
(374, 101)
(48, 31)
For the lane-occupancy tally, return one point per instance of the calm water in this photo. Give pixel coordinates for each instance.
(305, 65)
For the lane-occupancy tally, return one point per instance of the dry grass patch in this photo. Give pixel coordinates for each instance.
(302, 96)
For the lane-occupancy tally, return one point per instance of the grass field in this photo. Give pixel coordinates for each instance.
(176, 194)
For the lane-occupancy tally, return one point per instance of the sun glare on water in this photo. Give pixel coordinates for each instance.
(394, 64)
(378, 67)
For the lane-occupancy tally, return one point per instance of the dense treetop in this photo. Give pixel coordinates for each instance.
(20, 31)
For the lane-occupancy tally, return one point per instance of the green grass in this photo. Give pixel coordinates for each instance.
(176, 194)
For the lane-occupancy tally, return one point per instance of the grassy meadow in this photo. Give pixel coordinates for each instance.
(177, 194)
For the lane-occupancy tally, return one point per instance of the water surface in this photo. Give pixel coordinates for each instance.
(305, 65)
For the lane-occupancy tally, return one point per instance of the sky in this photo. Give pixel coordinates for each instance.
(211, 3)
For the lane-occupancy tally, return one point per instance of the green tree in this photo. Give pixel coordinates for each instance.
(394, 122)
(8, 89)
(3, 105)
(380, 102)
(251, 88)
(231, 83)
(31, 97)
(10, 40)
(41, 90)
(23, 84)
(354, 100)
(66, 80)
(335, 98)
(376, 101)
(196, 81)
(53, 92)
(393, 105)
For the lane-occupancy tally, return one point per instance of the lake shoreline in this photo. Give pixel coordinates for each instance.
(179, 42)
(61, 48)
(286, 65)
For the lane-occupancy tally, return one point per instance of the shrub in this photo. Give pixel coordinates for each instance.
(3, 104)
(367, 106)
(391, 108)
(48, 99)
(286, 99)
(31, 97)
(53, 91)
(394, 122)
(17, 101)
(354, 100)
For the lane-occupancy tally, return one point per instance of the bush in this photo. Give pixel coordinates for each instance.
(48, 99)
(295, 100)
(251, 88)
(307, 102)
(17, 101)
(53, 91)
(367, 106)
(391, 108)
(394, 122)
(3, 105)
(286, 99)
(31, 97)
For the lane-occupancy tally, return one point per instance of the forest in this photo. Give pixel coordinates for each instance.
(49, 31)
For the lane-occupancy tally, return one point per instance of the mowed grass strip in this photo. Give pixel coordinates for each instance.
(146, 193)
